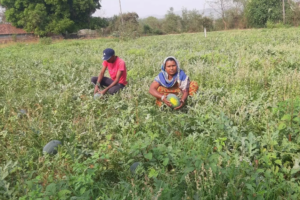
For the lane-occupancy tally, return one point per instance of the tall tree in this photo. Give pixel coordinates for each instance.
(49, 16)
(192, 20)
(172, 22)
(221, 6)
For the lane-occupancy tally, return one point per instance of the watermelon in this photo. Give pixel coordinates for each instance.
(174, 100)
(51, 147)
(74, 97)
(97, 96)
(22, 113)
(134, 166)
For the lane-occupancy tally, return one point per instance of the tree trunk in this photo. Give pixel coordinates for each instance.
(283, 11)
(224, 22)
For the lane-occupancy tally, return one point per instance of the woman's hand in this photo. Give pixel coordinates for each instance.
(182, 102)
(165, 100)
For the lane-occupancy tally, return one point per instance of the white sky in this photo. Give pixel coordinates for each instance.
(146, 8)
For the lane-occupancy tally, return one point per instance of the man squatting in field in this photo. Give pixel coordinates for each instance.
(117, 71)
(172, 80)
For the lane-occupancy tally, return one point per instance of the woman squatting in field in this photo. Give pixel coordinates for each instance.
(172, 80)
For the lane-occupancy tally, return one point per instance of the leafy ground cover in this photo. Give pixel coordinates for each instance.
(238, 138)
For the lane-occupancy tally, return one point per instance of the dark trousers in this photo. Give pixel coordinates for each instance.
(106, 82)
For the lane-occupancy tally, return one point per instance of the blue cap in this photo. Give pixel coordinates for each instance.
(108, 53)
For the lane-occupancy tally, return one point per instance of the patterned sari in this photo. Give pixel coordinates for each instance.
(176, 85)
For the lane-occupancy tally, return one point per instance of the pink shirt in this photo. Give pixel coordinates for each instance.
(113, 68)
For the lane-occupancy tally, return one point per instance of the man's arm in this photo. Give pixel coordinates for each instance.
(101, 75)
(115, 82)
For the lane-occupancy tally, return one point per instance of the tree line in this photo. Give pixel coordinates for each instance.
(44, 17)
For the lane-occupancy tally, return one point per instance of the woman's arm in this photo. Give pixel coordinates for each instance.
(153, 91)
(183, 98)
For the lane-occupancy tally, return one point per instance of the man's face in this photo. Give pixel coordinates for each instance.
(112, 59)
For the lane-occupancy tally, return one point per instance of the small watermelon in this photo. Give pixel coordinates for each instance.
(75, 97)
(51, 147)
(22, 113)
(134, 166)
(97, 96)
(174, 100)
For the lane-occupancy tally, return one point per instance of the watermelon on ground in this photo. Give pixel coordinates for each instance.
(97, 96)
(51, 147)
(134, 166)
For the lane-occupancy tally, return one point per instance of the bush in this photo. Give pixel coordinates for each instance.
(271, 25)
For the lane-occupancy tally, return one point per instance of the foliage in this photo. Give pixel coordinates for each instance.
(97, 23)
(237, 138)
(125, 27)
(46, 16)
(192, 21)
(151, 25)
(172, 22)
(258, 12)
(271, 24)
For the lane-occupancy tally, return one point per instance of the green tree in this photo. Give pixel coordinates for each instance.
(258, 12)
(192, 21)
(97, 23)
(154, 24)
(172, 22)
(50, 16)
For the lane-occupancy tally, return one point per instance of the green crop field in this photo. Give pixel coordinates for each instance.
(238, 137)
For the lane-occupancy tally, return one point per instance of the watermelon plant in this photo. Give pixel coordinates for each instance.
(236, 139)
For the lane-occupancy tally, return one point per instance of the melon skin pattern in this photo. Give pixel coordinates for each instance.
(51, 147)
(97, 96)
(134, 166)
(174, 100)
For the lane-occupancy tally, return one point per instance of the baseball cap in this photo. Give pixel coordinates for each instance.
(108, 53)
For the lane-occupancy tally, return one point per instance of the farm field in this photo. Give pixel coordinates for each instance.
(238, 137)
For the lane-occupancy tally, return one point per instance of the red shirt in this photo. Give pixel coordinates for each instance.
(113, 68)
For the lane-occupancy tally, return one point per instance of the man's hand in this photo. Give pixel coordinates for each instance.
(182, 102)
(96, 90)
(102, 92)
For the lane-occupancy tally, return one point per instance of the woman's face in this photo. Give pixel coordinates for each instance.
(171, 67)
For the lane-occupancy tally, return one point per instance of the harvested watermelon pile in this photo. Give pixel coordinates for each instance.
(237, 138)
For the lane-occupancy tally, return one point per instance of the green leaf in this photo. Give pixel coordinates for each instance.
(153, 173)
(296, 119)
(286, 117)
(281, 126)
(166, 161)
(108, 137)
(51, 188)
(278, 162)
(148, 156)
(63, 193)
(188, 170)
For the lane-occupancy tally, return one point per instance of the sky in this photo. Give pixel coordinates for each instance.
(146, 8)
